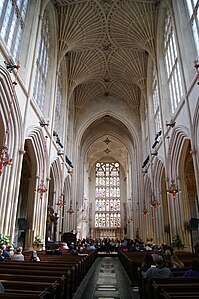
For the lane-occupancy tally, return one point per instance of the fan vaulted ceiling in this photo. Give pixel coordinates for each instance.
(106, 44)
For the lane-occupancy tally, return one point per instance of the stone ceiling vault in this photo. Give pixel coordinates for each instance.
(106, 44)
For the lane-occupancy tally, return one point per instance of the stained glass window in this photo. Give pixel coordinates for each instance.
(107, 195)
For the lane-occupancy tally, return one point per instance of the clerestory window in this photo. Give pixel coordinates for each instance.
(12, 23)
(42, 64)
(172, 64)
(192, 6)
(58, 107)
(156, 102)
(107, 195)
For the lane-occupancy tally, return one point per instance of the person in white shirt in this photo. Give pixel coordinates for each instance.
(18, 256)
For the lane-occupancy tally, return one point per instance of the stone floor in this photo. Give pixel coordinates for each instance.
(106, 280)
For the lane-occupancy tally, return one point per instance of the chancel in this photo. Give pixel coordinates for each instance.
(99, 135)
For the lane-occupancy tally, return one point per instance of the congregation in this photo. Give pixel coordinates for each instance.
(159, 260)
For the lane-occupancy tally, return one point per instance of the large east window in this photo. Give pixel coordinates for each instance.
(12, 23)
(172, 64)
(107, 195)
(192, 6)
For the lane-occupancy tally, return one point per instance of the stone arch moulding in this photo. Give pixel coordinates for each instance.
(112, 115)
(10, 110)
(157, 175)
(177, 139)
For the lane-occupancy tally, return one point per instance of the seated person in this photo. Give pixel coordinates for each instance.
(159, 271)
(18, 256)
(1, 255)
(167, 257)
(57, 251)
(63, 247)
(91, 247)
(10, 251)
(148, 262)
(194, 269)
(176, 262)
(34, 257)
(5, 252)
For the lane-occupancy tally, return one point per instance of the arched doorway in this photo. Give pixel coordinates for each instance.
(25, 208)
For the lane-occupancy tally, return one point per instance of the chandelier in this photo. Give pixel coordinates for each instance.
(196, 65)
(173, 189)
(41, 189)
(70, 210)
(172, 186)
(145, 212)
(60, 202)
(4, 158)
(154, 203)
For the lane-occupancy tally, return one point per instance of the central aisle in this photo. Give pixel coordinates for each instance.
(106, 280)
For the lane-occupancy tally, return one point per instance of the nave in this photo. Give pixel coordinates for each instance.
(99, 121)
(107, 279)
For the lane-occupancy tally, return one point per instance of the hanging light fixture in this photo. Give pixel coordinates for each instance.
(145, 212)
(4, 154)
(4, 158)
(172, 188)
(60, 202)
(196, 65)
(70, 210)
(154, 202)
(42, 188)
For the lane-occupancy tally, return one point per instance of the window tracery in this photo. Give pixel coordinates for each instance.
(12, 23)
(58, 106)
(172, 64)
(42, 64)
(156, 102)
(107, 195)
(192, 6)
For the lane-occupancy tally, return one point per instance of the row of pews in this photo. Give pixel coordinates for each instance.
(53, 277)
(177, 287)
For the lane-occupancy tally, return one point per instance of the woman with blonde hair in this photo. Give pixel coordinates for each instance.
(176, 262)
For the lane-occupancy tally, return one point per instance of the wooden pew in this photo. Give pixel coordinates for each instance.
(30, 287)
(23, 295)
(193, 295)
(60, 280)
(55, 274)
(132, 261)
(73, 268)
(174, 285)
